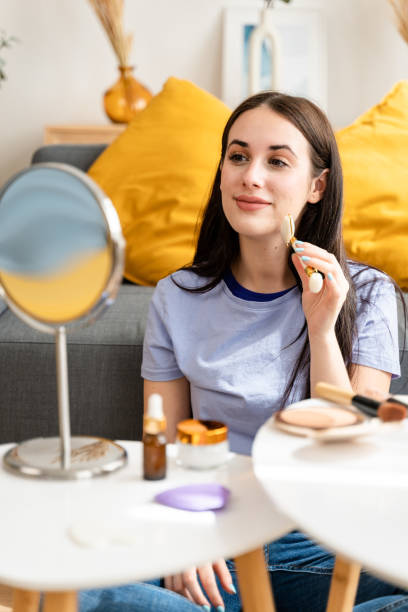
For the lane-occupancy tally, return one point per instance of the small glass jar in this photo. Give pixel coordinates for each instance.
(201, 444)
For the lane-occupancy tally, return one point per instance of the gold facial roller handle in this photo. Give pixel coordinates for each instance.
(315, 277)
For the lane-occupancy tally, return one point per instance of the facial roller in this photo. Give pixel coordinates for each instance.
(288, 235)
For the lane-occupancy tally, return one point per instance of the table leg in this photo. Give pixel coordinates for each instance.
(61, 601)
(254, 584)
(6, 598)
(25, 601)
(343, 586)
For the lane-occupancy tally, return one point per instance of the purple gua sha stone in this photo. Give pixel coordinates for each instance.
(195, 497)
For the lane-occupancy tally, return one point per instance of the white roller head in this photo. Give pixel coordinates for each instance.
(287, 228)
(315, 282)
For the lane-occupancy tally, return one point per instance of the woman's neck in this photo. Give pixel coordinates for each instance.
(263, 267)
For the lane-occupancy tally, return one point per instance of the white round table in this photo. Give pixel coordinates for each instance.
(351, 496)
(70, 535)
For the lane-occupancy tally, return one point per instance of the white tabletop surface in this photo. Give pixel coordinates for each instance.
(106, 531)
(351, 496)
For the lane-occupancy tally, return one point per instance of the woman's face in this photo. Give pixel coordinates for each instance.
(266, 173)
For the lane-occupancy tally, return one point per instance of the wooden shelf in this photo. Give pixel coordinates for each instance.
(82, 134)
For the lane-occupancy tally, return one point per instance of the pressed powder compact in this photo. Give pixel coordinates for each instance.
(323, 420)
(319, 417)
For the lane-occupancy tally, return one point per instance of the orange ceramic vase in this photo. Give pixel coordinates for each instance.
(126, 98)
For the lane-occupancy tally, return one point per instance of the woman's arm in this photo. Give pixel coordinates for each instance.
(327, 365)
(321, 312)
(176, 401)
(367, 379)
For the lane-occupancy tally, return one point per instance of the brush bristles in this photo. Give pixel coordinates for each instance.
(390, 411)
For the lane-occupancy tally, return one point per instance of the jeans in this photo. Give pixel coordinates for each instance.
(300, 573)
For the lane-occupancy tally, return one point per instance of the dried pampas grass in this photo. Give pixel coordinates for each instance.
(110, 14)
(401, 11)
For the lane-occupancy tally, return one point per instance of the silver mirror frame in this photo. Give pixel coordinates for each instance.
(37, 457)
(114, 230)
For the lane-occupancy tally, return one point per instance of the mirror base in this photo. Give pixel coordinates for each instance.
(40, 458)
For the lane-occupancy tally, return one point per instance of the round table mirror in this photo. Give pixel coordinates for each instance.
(61, 264)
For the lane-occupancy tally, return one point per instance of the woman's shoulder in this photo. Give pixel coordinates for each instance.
(368, 280)
(182, 283)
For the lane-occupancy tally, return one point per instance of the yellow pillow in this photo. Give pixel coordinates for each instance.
(374, 153)
(158, 174)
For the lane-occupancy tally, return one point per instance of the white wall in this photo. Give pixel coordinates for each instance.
(63, 63)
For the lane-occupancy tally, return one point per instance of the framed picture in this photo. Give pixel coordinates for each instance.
(303, 54)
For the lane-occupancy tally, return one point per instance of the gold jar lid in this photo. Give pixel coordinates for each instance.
(193, 431)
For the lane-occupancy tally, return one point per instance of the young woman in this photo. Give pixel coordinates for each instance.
(237, 335)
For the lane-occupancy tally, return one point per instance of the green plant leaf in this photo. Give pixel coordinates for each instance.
(5, 43)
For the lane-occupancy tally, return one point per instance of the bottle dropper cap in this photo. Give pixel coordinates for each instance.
(154, 421)
(155, 406)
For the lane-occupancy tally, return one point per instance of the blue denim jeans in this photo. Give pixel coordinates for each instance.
(300, 573)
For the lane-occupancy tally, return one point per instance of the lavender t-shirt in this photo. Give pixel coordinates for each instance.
(238, 352)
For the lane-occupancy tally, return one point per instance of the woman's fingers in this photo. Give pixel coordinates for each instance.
(300, 270)
(223, 573)
(207, 578)
(193, 588)
(334, 277)
(207, 593)
(174, 583)
(311, 255)
(327, 267)
(306, 248)
(324, 262)
(314, 256)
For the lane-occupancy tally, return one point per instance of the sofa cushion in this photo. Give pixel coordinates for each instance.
(158, 173)
(374, 155)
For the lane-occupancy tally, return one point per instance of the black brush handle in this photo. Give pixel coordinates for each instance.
(366, 405)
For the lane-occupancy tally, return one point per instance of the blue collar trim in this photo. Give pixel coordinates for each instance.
(251, 296)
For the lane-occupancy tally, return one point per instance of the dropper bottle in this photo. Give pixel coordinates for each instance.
(154, 439)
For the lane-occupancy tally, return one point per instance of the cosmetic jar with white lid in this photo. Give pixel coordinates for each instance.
(201, 444)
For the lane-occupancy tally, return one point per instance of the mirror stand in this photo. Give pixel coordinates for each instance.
(66, 457)
(63, 396)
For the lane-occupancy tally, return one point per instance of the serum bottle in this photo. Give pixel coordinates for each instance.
(154, 439)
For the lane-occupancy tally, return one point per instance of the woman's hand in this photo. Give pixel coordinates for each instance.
(187, 584)
(321, 309)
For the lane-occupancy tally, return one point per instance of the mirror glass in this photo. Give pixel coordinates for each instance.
(55, 251)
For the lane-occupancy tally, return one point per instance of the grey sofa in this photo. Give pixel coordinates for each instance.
(104, 359)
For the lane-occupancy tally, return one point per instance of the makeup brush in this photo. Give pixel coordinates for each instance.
(388, 410)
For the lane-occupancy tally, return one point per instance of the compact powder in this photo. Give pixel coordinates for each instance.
(319, 417)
